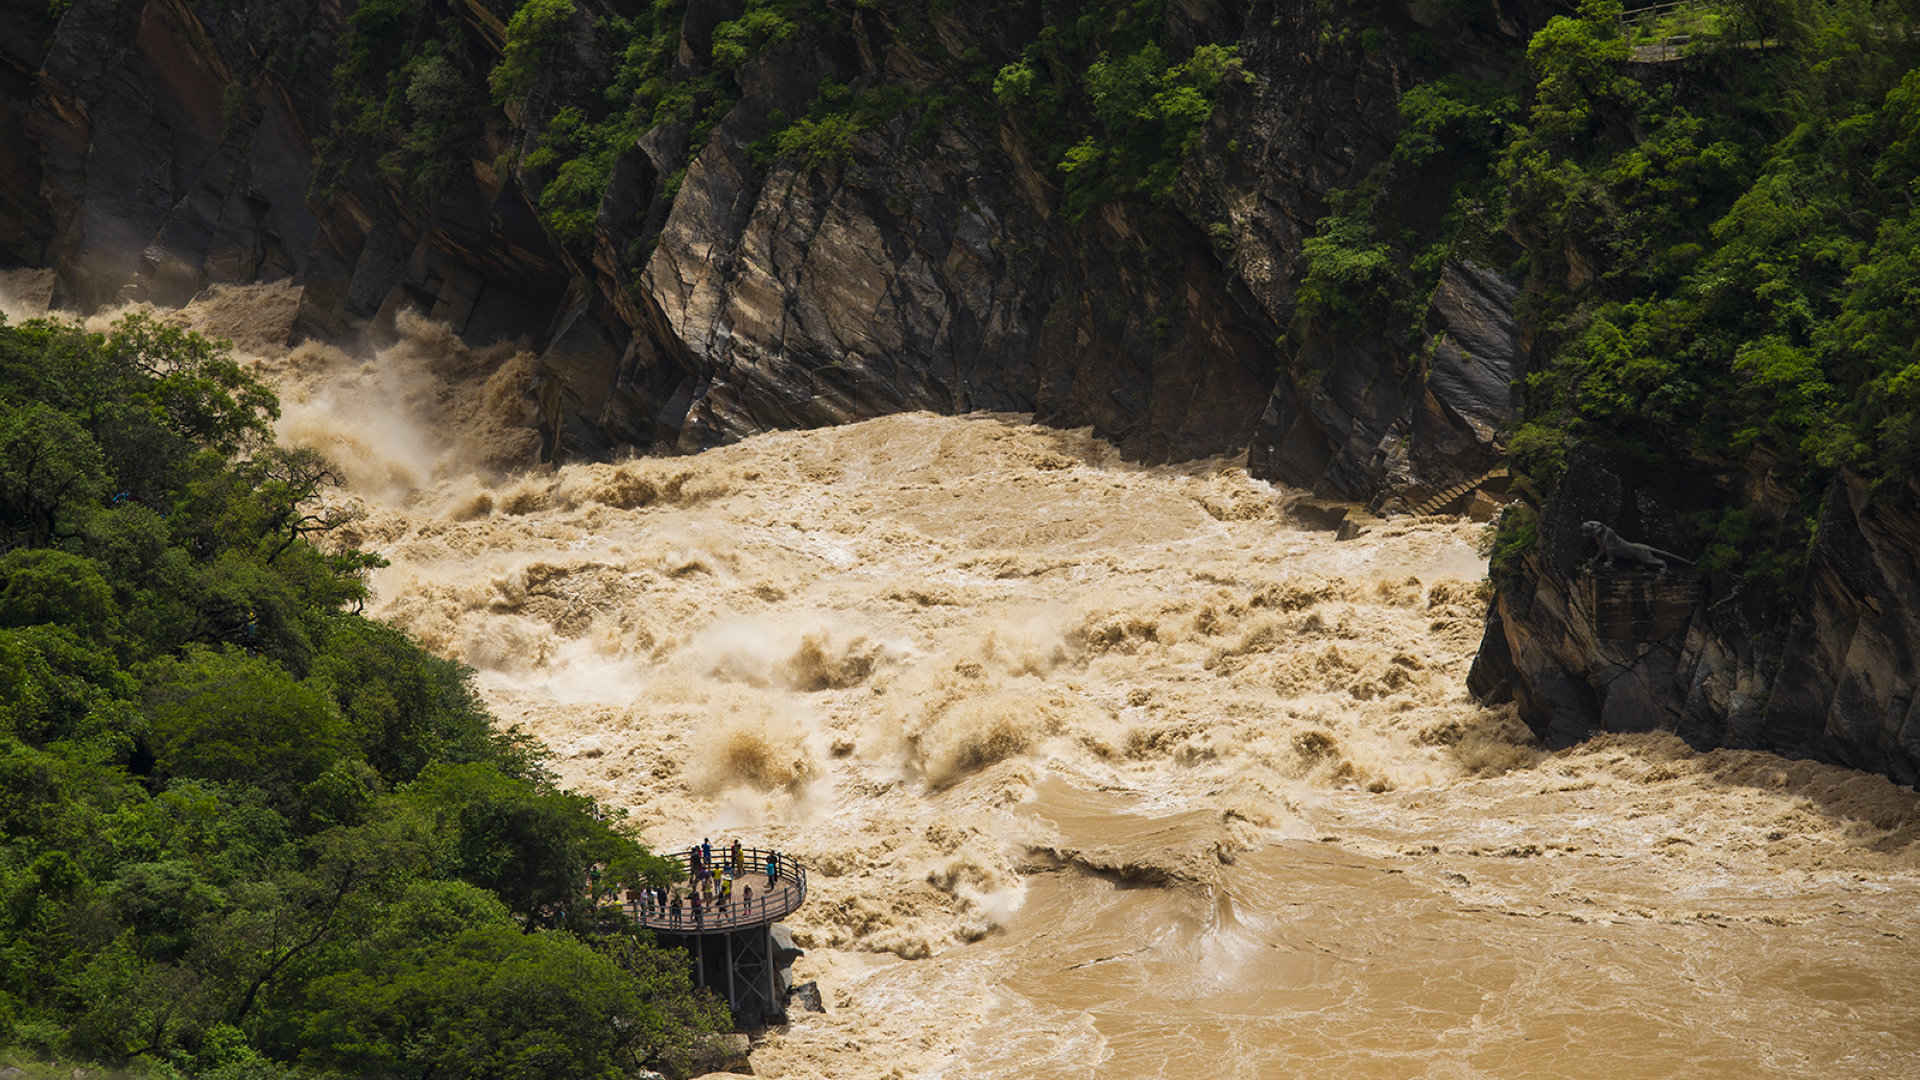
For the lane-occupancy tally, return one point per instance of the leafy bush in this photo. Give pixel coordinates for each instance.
(1517, 534)
(584, 137)
(1150, 114)
(536, 26)
(764, 23)
(819, 141)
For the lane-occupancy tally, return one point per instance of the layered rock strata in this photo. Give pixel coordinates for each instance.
(166, 145)
(1828, 671)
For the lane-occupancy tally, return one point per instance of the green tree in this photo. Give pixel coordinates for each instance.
(221, 714)
(42, 585)
(529, 843)
(487, 1001)
(405, 707)
(50, 470)
(536, 27)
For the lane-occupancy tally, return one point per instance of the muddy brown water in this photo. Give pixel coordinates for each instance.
(1105, 770)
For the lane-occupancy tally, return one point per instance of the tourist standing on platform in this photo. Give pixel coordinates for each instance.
(746, 897)
(696, 909)
(676, 907)
(739, 867)
(773, 868)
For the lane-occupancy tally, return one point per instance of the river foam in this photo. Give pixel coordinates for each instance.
(1105, 769)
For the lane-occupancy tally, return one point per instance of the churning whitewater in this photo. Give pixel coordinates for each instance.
(1110, 770)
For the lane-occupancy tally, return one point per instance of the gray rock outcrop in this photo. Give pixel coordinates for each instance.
(785, 952)
(1372, 424)
(172, 141)
(1827, 671)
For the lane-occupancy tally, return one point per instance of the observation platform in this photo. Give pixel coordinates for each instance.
(774, 898)
(732, 947)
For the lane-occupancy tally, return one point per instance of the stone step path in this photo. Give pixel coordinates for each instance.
(1440, 500)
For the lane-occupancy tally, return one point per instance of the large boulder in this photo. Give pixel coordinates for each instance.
(1372, 422)
(785, 952)
(1827, 671)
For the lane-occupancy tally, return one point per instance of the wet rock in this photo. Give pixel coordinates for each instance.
(1490, 679)
(785, 952)
(1325, 515)
(1829, 673)
(806, 996)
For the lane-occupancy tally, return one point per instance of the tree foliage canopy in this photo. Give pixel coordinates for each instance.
(243, 830)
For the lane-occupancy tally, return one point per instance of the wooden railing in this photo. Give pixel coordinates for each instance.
(770, 902)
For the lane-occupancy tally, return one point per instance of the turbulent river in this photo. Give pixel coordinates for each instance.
(1108, 770)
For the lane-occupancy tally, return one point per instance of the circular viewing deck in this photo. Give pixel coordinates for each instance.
(774, 898)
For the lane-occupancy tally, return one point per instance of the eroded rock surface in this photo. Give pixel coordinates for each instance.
(1828, 672)
(171, 145)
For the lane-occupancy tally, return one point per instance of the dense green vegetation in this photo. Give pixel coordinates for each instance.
(1105, 98)
(594, 122)
(408, 92)
(243, 830)
(1717, 237)
(1110, 104)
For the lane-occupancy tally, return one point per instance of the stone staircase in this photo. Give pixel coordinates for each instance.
(1440, 501)
(1350, 519)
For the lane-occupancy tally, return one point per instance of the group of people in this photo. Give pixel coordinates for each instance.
(710, 886)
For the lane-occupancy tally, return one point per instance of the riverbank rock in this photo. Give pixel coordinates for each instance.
(806, 996)
(1826, 672)
(785, 952)
(726, 1054)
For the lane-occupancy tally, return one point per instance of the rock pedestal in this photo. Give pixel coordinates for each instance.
(1829, 670)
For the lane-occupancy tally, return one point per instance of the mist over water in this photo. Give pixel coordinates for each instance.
(1108, 770)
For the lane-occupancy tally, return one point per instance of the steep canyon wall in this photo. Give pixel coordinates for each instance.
(166, 145)
(152, 148)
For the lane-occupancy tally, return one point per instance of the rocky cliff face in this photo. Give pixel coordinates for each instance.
(916, 274)
(168, 145)
(166, 158)
(1828, 672)
(150, 148)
